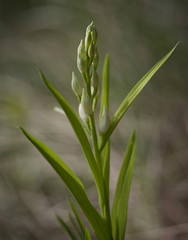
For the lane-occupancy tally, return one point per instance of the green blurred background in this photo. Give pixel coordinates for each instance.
(136, 33)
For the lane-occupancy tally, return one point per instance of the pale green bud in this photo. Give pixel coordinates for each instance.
(80, 50)
(76, 87)
(95, 59)
(87, 41)
(83, 115)
(59, 110)
(94, 35)
(81, 64)
(95, 92)
(91, 50)
(105, 122)
(86, 103)
(94, 79)
(81, 58)
(89, 28)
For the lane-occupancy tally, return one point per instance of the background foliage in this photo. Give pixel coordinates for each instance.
(136, 34)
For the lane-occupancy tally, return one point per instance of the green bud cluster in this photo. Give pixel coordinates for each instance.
(87, 63)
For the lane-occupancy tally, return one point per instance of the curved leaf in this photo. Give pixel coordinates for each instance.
(87, 234)
(65, 227)
(74, 185)
(105, 154)
(80, 133)
(131, 96)
(79, 221)
(120, 203)
(76, 228)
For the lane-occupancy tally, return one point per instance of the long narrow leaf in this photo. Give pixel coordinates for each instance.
(76, 228)
(121, 181)
(121, 214)
(105, 155)
(87, 234)
(80, 223)
(131, 96)
(106, 165)
(105, 87)
(65, 227)
(74, 185)
(80, 133)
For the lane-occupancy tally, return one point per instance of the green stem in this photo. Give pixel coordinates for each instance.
(88, 84)
(103, 192)
(95, 141)
(104, 199)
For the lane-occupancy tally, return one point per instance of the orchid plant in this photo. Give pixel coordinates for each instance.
(110, 222)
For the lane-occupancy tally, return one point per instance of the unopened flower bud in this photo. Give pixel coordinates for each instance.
(94, 35)
(81, 64)
(95, 59)
(80, 50)
(86, 103)
(95, 92)
(94, 79)
(59, 110)
(87, 41)
(105, 122)
(89, 28)
(83, 115)
(91, 50)
(76, 87)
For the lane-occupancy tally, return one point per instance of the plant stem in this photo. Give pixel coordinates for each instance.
(104, 199)
(95, 141)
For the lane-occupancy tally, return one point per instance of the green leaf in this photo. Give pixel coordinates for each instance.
(105, 154)
(105, 87)
(74, 185)
(87, 234)
(65, 227)
(80, 223)
(131, 96)
(75, 227)
(80, 133)
(120, 202)
(106, 165)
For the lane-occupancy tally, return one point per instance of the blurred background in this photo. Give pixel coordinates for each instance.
(136, 33)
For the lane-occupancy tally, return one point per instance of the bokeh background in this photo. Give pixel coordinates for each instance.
(136, 33)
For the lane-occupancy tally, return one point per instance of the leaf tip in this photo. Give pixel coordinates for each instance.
(24, 132)
(134, 135)
(19, 127)
(57, 216)
(175, 47)
(107, 56)
(42, 76)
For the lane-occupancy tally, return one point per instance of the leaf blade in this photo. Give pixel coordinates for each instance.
(132, 95)
(122, 215)
(79, 221)
(129, 156)
(105, 87)
(105, 155)
(79, 131)
(87, 234)
(74, 185)
(77, 230)
(65, 227)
